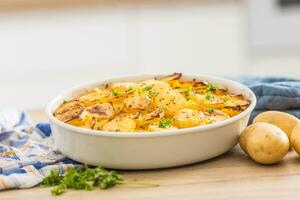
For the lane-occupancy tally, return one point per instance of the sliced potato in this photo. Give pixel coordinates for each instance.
(118, 107)
(94, 96)
(154, 86)
(121, 124)
(232, 100)
(186, 118)
(69, 110)
(150, 117)
(170, 101)
(174, 76)
(156, 127)
(232, 110)
(98, 111)
(124, 86)
(209, 100)
(137, 102)
(213, 116)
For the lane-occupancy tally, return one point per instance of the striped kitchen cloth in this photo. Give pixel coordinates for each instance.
(26, 152)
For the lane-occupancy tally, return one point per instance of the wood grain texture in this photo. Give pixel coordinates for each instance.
(230, 176)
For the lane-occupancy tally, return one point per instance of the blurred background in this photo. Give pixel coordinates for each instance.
(47, 46)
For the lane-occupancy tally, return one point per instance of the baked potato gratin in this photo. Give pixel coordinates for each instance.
(152, 105)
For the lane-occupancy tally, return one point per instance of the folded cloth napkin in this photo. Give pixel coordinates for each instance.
(274, 93)
(27, 153)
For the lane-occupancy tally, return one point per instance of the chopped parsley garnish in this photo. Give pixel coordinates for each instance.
(86, 178)
(115, 93)
(209, 96)
(147, 88)
(187, 91)
(211, 87)
(165, 123)
(130, 88)
(152, 94)
(210, 110)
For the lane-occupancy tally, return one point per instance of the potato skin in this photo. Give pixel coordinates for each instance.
(264, 143)
(284, 121)
(295, 138)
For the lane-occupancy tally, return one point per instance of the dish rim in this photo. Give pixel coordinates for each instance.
(80, 130)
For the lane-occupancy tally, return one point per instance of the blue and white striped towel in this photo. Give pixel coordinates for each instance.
(26, 152)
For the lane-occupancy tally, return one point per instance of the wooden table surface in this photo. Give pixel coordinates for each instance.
(230, 176)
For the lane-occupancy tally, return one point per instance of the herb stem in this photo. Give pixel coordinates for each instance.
(135, 182)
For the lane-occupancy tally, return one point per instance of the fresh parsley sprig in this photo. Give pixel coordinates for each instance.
(212, 88)
(86, 178)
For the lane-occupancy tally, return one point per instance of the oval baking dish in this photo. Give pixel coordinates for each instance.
(148, 150)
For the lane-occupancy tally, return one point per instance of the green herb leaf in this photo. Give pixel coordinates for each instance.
(152, 94)
(165, 123)
(115, 93)
(187, 91)
(211, 87)
(210, 110)
(130, 88)
(147, 88)
(53, 179)
(209, 96)
(58, 190)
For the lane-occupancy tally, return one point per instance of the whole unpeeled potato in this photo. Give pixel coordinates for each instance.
(284, 121)
(264, 143)
(295, 138)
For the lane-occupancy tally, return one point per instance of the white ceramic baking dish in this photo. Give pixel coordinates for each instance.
(148, 150)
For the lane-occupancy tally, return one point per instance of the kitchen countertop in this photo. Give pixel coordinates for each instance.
(230, 176)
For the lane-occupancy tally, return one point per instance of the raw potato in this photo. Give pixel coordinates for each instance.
(284, 121)
(295, 138)
(264, 143)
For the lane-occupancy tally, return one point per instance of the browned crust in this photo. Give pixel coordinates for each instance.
(174, 76)
(69, 111)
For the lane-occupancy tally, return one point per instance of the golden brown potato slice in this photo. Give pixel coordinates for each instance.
(154, 86)
(98, 111)
(76, 122)
(188, 118)
(174, 76)
(69, 110)
(137, 101)
(233, 110)
(194, 105)
(123, 124)
(209, 100)
(150, 117)
(124, 87)
(118, 107)
(234, 100)
(212, 116)
(170, 101)
(94, 96)
(157, 127)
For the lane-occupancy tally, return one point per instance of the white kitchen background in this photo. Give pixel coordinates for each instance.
(44, 51)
